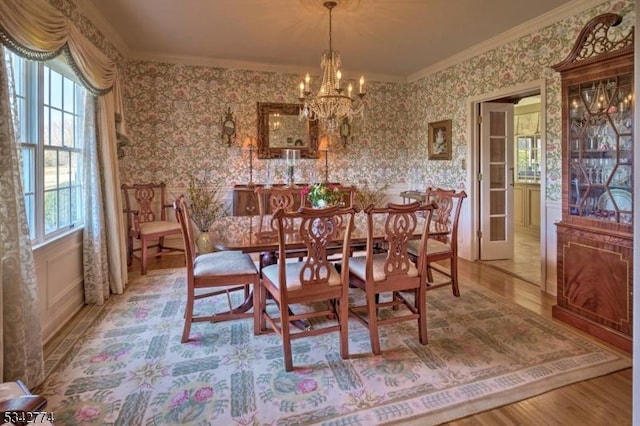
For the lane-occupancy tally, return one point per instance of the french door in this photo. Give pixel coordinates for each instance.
(496, 181)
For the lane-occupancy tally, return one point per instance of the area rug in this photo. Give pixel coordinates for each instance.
(129, 367)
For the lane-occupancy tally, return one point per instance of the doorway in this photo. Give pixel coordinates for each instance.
(526, 259)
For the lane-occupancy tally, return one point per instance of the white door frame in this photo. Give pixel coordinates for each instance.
(473, 169)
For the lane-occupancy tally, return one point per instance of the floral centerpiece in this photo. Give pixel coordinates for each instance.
(205, 204)
(322, 194)
(205, 207)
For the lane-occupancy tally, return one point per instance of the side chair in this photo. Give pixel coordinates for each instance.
(273, 198)
(221, 272)
(392, 271)
(443, 247)
(145, 207)
(309, 281)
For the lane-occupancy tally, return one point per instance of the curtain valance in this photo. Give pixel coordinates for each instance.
(38, 31)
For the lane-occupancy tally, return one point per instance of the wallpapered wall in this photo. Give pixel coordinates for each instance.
(174, 115)
(174, 112)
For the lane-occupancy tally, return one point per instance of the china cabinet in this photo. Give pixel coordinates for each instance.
(595, 235)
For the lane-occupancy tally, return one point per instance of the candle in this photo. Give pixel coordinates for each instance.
(301, 89)
(307, 79)
(338, 76)
(361, 83)
(350, 89)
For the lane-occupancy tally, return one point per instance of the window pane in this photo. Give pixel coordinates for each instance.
(75, 168)
(76, 205)
(63, 207)
(69, 139)
(28, 186)
(56, 89)
(22, 135)
(50, 211)
(28, 169)
(50, 169)
(46, 137)
(46, 86)
(30, 206)
(63, 169)
(68, 95)
(56, 127)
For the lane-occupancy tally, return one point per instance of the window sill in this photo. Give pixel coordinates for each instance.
(58, 238)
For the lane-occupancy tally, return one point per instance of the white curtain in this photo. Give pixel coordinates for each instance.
(94, 243)
(35, 30)
(21, 354)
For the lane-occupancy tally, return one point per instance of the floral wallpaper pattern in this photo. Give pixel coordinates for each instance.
(174, 113)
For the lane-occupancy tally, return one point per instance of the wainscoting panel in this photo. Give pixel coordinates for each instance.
(60, 282)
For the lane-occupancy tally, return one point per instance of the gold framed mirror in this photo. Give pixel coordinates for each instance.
(279, 128)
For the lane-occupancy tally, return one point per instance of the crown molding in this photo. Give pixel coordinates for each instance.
(250, 66)
(565, 11)
(90, 12)
(531, 26)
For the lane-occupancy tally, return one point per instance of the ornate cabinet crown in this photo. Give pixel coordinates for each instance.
(595, 236)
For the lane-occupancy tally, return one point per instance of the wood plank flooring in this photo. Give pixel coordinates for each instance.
(526, 258)
(605, 400)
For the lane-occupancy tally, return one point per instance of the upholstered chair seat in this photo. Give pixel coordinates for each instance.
(358, 265)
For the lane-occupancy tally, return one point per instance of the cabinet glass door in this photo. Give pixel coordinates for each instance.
(601, 149)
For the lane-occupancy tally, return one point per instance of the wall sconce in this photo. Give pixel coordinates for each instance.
(324, 146)
(249, 144)
(291, 156)
(228, 126)
(345, 132)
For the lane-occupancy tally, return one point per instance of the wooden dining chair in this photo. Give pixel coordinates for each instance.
(145, 207)
(221, 272)
(349, 194)
(314, 279)
(443, 247)
(273, 198)
(392, 271)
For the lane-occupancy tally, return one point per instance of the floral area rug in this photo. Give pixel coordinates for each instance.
(129, 367)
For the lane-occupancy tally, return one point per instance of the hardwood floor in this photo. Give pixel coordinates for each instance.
(526, 250)
(605, 400)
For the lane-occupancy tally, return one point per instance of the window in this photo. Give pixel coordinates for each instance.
(50, 116)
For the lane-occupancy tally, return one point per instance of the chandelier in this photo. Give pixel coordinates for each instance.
(331, 105)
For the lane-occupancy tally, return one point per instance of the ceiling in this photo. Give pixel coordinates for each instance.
(383, 39)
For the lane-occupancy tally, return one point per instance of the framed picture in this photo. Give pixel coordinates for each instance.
(439, 142)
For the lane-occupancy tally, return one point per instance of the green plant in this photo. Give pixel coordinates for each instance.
(322, 194)
(205, 204)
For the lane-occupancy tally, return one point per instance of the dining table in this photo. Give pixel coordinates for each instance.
(255, 234)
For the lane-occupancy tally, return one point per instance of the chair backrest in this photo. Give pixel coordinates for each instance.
(182, 215)
(400, 225)
(317, 229)
(273, 198)
(349, 197)
(276, 197)
(448, 212)
(146, 200)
